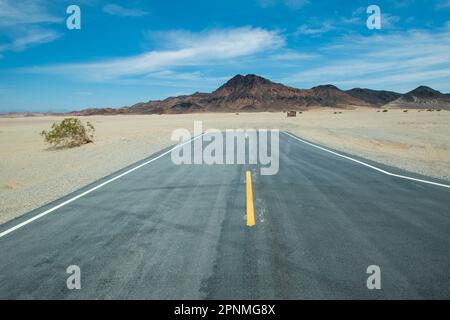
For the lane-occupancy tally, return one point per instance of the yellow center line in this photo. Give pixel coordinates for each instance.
(250, 209)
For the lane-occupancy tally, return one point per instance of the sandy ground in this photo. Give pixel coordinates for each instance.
(32, 175)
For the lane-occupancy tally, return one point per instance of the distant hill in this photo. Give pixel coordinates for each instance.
(422, 98)
(254, 93)
(250, 93)
(374, 97)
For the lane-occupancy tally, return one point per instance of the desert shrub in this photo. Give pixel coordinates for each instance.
(405, 110)
(385, 110)
(70, 132)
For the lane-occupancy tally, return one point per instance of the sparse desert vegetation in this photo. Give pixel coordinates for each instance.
(68, 133)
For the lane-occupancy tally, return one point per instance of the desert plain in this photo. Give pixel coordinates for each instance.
(32, 174)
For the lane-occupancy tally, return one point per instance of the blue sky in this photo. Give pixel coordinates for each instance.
(132, 51)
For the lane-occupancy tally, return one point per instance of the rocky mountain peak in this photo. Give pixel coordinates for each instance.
(424, 92)
(247, 81)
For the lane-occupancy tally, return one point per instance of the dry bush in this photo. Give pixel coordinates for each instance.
(69, 133)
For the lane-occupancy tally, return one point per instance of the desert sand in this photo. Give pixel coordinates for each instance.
(32, 174)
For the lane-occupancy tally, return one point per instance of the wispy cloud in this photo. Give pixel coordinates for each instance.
(117, 10)
(389, 21)
(30, 37)
(316, 27)
(291, 55)
(23, 23)
(24, 12)
(394, 60)
(293, 4)
(186, 49)
(315, 30)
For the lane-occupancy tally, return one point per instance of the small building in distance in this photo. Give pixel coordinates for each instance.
(291, 114)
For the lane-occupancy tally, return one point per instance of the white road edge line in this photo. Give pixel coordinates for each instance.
(20, 225)
(368, 165)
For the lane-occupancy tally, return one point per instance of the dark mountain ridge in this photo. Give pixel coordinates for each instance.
(255, 93)
(374, 97)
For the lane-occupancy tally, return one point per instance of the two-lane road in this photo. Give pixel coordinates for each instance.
(164, 231)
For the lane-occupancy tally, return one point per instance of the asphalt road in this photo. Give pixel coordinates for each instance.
(179, 232)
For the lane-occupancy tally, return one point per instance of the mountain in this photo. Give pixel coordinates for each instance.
(331, 96)
(255, 93)
(240, 94)
(251, 92)
(422, 98)
(374, 97)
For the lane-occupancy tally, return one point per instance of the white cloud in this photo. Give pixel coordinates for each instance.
(186, 49)
(21, 22)
(14, 13)
(316, 26)
(394, 61)
(117, 10)
(32, 36)
(290, 55)
(389, 21)
(313, 31)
